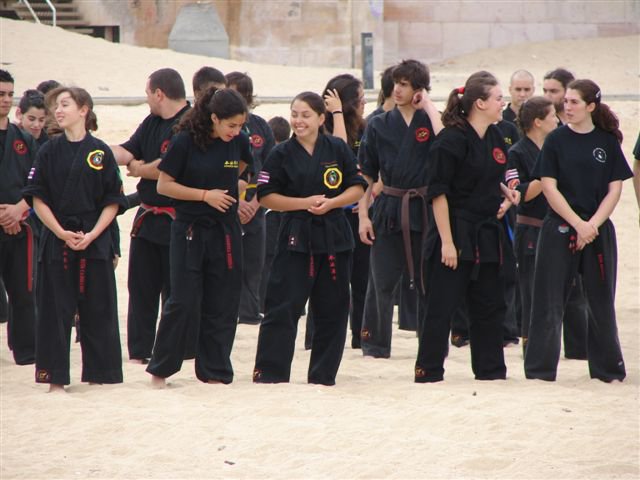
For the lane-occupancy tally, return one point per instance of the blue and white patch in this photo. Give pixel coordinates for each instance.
(600, 155)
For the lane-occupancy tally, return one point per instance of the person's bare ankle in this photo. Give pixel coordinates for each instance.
(213, 382)
(158, 382)
(56, 388)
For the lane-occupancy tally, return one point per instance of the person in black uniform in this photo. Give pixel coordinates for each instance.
(17, 152)
(537, 120)
(466, 241)
(344, 99)
(76, 191)
(252, 215)
(636, 169)
(395, 148)
(309, 177)
(148, 277)
(200, 171)
(582, 168)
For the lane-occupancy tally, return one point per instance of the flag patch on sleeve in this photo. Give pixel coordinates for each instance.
(263, 177)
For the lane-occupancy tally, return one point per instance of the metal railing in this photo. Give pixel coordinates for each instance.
(33, 13)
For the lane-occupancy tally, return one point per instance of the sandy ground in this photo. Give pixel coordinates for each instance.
(375, 423)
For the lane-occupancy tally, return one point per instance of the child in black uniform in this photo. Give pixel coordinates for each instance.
(76, 190)
(309, 177)
(582, 167)
(468, 162)
(200, 171)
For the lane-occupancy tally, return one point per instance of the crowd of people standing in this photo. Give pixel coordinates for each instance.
(488, 224)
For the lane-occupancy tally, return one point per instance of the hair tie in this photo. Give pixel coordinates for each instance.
(598, 95)
(460, 90)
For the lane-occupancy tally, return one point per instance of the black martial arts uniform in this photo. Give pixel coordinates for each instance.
(206, 260)
(17, 153)
(468, 170)
(149, 247)
(522, 159)
(76, 180)
(398, 153)
(583, 165)
(509, 115)
(313, 260)
(254, 232)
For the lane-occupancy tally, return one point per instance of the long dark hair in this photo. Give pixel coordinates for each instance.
(225, 103)
(602, 116)
(347, 87)
(81, 97)
(534, 108)
(461, 100)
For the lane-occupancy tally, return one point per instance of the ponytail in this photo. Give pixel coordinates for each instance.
(602, 116)
(462, 99)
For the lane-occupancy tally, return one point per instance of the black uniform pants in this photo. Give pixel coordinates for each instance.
(22, 308)
(486, 308)
(253, 249)
(272, 226)
(296, 278)
(207, 267)
(148, 280)
(359, 279)
(556, 266)
(574, 321)
(58, 299)
(388, 263)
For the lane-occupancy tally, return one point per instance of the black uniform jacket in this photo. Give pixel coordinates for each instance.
(292, 172)
(468, 170)
(150, 142)
(18, 153)
(76, 181)
(398, 153)
(216, 167)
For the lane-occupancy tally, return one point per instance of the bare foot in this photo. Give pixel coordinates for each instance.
(55, 388)
(94, 383)
(158, 382)
(213, 382)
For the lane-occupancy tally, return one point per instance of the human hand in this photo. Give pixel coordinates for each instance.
(219, 199)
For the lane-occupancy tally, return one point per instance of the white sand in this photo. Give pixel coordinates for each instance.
(375, 423)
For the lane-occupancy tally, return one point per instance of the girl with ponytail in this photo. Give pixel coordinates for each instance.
(464, 250)
(581, 167)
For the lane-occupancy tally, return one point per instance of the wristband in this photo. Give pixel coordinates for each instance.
(337, 112)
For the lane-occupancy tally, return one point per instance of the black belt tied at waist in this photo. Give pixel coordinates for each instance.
(147, 209)
(530, 221)
(407, 194)
(480, 221)
(308, 219)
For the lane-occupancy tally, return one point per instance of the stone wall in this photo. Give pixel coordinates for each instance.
(327, 32)
(432, 30)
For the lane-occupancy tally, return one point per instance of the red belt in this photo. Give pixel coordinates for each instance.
(147, 209)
